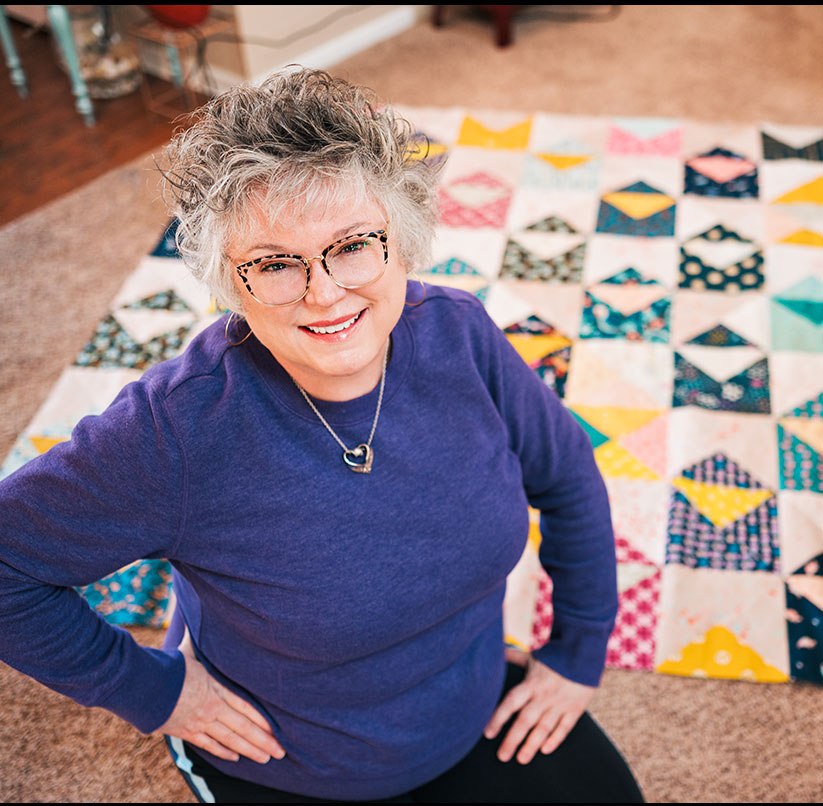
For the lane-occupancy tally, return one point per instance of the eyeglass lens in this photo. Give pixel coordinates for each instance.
(352, 264)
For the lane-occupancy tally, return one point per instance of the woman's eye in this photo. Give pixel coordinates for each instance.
(354, 246)
(274, 266)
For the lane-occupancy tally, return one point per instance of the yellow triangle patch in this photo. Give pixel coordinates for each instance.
(810, 193)
(614, 421)
(43, 444)
(804, 237)
(615, 461)
(638, 205)
(563, 162)
(720, 654)
(721, 505)
(807, 429)
(473, 133)
(533, 348)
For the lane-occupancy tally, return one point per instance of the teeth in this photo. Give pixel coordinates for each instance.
(334, 328)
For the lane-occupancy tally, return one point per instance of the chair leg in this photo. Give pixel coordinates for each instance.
(18, 77)
(61, 28)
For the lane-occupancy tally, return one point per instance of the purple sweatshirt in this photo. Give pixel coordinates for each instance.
(360, 613)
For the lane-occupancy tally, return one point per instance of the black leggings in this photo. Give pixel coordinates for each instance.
(586, 768)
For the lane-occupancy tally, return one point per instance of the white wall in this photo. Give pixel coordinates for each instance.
(315, 36)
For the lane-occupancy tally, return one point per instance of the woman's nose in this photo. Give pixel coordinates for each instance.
(323, 291)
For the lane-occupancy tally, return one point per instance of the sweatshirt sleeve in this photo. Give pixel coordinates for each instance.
(109, 496)
(561, 480)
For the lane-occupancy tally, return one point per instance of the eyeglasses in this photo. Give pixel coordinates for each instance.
(351, 262)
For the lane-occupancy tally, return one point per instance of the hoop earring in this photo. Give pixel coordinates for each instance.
(226, 333)
(422, 300)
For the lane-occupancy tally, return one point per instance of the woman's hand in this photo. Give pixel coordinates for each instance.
(549, 707)
(210, 716)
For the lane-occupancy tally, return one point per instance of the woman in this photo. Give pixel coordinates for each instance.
(340, 478)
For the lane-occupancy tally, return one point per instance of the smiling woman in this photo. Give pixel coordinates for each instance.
(338, 631)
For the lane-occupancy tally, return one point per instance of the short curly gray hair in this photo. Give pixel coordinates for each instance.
(305, 137)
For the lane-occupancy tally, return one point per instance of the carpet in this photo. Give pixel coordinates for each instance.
(665, 278)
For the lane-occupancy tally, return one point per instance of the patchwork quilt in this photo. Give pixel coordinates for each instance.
(665, 279)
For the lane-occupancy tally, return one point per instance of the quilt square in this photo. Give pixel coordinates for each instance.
(721, 370)
(569, 165)
(550, 250)
(637, 210)
(498, 130)
(724, 624)
(720, 172)
(792, 143)
(722, 518)
(720, 259)
(645, 136)
(626, 305)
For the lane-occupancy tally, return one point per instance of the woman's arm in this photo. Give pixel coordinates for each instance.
(111, 495)
(561, 479)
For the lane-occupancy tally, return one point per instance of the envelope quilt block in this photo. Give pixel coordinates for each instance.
(476, 200)
(720, 259)
(627, 306)
(647, 136)
(637, 210)
(568, 165)
(113, 346)
(549, 250)
(544, 349)
(722, 518)
(800, 439)
(797, 317)
(721, 370)
(721, 172)
(774, 149)
(475, 133)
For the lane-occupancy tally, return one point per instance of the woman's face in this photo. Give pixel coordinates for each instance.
(330, 366)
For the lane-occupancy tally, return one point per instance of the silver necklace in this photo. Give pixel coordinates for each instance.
(359, 459)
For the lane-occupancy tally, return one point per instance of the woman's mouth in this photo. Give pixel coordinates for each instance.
(331, 328)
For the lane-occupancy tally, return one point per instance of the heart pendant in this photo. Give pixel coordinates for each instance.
(351, 457)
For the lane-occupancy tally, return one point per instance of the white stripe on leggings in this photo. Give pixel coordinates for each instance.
(184, 763)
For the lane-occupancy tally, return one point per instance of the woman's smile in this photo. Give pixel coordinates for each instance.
(340, 328)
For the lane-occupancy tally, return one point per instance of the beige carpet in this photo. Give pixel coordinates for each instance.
(687, 740)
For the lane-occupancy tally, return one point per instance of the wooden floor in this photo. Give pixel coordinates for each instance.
(46, 149)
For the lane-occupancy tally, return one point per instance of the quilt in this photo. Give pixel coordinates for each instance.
(665, 278)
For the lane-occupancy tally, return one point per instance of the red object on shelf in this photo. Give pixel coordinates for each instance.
(179, 16)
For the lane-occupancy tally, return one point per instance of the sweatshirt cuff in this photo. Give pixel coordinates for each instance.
(576, 650)
(149, 695)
